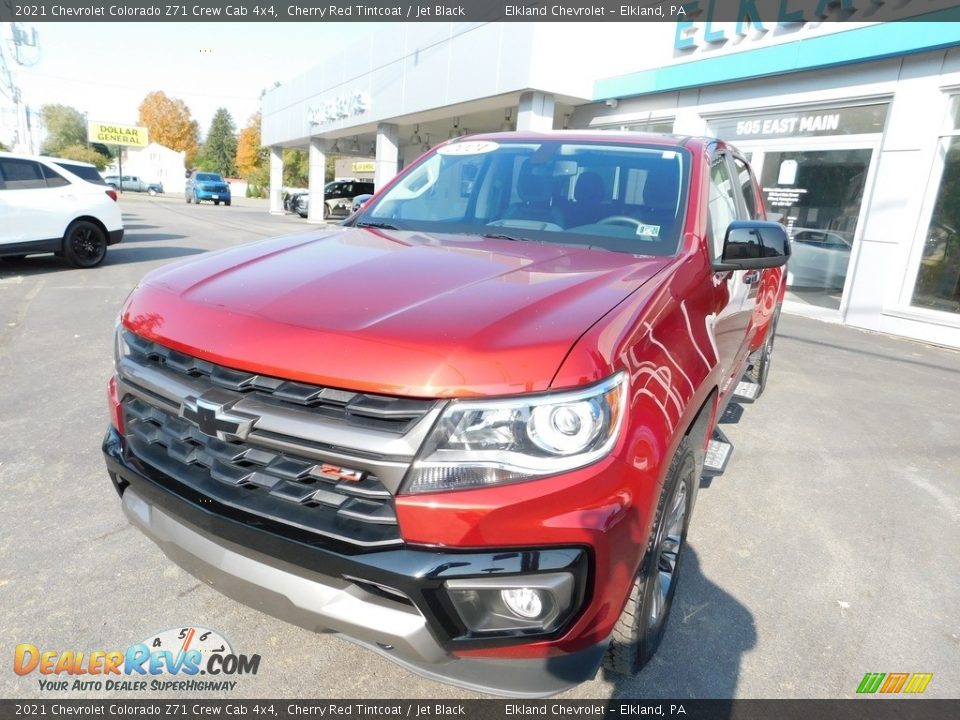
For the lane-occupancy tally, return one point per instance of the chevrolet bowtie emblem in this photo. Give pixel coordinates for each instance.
(214, 417)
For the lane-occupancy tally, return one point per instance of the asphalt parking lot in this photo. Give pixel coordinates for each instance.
(828, 549)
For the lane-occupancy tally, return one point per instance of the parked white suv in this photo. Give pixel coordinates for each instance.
(48, 206)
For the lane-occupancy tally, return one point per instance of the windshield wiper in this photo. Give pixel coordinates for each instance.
(501, 236)
(377, 225)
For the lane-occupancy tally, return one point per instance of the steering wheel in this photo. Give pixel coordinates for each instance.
(620, 220)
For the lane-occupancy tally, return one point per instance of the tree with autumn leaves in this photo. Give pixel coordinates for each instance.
(253, 161)
(170, 124)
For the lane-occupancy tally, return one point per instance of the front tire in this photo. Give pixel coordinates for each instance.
(227, 203)
(84, 244)
(641, 626)
(760, 369)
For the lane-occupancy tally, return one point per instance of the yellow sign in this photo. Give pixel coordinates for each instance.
(110, 133)
(363, 167)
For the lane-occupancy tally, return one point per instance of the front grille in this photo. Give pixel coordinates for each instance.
(380, 412)
(277, 486)
(323, 460)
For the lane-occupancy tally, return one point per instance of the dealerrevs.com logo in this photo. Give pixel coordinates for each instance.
(181, 653)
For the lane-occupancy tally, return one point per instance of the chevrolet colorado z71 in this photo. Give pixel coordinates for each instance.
(466, 429)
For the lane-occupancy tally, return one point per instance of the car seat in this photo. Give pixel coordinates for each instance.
(534, 188)
(588, 194)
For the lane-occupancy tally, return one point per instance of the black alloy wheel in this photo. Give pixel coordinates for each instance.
(85, 244)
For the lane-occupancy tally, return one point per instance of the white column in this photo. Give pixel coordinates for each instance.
(317, 173)
(276, 180)
(388, 141)
(535, 112)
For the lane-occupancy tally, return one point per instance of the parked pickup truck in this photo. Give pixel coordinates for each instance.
(133, 183)
(465, 429)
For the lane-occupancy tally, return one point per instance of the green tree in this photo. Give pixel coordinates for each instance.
(296, 168)
(65, 126)
(219, 152)
(82, 153)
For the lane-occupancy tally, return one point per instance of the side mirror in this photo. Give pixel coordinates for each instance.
(753, 245)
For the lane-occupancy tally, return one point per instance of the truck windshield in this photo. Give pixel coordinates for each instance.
(208, 177)
(627, 198)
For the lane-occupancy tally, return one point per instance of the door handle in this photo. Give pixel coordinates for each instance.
(751, 277)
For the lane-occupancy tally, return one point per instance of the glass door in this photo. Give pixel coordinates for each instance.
(818, 195)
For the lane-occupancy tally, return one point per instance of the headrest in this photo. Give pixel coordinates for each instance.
(534, 182)
(660, 190)
(589, 188)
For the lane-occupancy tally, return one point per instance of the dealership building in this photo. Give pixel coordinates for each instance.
(853, 130)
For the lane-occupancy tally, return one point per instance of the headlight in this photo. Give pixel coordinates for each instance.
(476, 443)
(120, 347)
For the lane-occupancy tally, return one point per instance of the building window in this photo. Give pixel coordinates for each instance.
(663, 125)
(938, 276)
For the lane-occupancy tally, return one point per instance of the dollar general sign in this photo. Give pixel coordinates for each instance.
(117, 134)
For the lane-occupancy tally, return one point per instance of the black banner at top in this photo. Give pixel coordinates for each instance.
(267, 11)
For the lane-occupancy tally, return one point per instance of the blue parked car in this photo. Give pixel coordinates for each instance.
(207, 186)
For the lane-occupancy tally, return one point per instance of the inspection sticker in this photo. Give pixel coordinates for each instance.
(648, 230)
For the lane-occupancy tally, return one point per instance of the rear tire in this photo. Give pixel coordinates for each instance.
(641, 626)
(84, 244)
(227, 203)
(216, 202)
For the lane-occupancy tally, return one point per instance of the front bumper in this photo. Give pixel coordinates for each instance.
(212, 194)
(388, 601)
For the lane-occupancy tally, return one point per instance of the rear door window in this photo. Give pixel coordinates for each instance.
(53, 178)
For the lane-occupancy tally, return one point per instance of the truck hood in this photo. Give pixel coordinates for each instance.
(400, 313)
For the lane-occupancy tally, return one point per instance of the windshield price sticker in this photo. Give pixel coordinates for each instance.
(475, 147)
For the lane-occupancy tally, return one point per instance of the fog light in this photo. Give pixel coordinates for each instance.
(524, 602)
(527, 603)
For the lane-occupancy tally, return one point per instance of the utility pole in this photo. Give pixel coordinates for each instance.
(22, 47)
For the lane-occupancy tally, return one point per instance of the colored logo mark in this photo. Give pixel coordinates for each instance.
(894, 683)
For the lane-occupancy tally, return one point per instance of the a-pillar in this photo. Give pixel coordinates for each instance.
(388, 141)
(317, 175)
(276, 180)
(535, 112)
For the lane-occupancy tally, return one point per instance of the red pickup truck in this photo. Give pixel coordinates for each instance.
(465, 429)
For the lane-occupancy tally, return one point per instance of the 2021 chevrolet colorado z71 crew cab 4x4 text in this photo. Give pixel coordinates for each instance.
(466, 429)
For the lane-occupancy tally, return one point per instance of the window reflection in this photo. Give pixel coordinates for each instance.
(938, 278)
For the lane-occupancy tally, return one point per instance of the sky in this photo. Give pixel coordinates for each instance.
(106, 69)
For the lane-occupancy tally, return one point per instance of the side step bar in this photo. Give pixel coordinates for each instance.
(719, 450)
(746, 392)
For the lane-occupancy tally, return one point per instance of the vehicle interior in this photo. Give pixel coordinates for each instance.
(625, 198)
